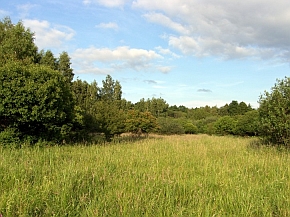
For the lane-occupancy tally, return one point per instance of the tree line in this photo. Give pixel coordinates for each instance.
(41, 101)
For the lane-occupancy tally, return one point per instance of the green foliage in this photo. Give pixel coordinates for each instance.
(177, 112)
(109, 115)
(225, 125)
(233, 108)
(156, 106)
(64, 66)
(248, 124)
(224, 110)
(16, 43)
(243, 108)
(274, 113)
(35, 99)
(47, 59)
(190, 128)
(85, 95)
(9, 137)
(169, 126)
(140, 122)
(111, 90)
(110, 118)
(203, 112)
(206, 125)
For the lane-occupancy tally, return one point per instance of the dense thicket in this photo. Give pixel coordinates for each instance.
(35, 100)
(40, 100)
(275, 113)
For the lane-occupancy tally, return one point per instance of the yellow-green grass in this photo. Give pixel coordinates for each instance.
(159, 176)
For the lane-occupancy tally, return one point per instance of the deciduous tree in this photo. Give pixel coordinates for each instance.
(16, 43)
(36, 100)
(274, 113)
(64, 66)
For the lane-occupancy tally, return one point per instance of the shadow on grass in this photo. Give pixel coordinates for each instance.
(259, 144)
(99, 139)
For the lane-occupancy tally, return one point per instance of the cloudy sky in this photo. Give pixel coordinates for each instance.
(188, 52)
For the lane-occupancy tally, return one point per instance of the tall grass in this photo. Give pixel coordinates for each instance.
(162, 176)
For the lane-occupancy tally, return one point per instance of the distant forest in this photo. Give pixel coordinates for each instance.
(40, 101)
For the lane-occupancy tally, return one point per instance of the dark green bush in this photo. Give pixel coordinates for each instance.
(274, 113)
(190, 128)
(225, 125)
(169, 126)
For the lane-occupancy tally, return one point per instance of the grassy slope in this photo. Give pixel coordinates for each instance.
(167, 176)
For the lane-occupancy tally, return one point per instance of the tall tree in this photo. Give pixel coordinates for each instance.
(16, 43)
(106, 92)
(86, 98)
(109, 112)
(47, 58)
(233, 108)
(243, 108)
(64, 66)
(224, 110)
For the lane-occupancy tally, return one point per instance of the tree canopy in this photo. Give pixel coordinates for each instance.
(275, 113)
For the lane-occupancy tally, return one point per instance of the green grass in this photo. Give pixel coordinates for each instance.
(161, 176)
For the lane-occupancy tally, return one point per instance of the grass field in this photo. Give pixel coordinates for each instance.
(194, 175)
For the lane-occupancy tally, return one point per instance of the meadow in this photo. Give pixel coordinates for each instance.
(190, 175)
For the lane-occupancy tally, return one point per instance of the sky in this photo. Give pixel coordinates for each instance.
(188, 52)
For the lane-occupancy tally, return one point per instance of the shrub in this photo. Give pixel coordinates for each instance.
(225, 125)
(206, 125)
(274, 113)
(35, 99)
(9, 137)
(248, 124)
(169, 126)
(190, 128)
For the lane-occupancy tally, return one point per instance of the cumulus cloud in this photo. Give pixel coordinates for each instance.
(164, 69)
(48, 35)
(166, 51)
(166, 21)
(109, 25)
(224, 28)
(116, 59)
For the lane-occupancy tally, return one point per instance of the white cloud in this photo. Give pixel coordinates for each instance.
(25, 9)
(106, 3)
(166, 21)
(224, 28)
(47, 35)
(164, 69)
(109, 25)
(165, 51)
(114, 59)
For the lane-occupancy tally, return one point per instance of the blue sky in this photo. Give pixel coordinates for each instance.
(191, 53)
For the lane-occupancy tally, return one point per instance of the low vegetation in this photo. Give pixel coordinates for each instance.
(189, 175)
